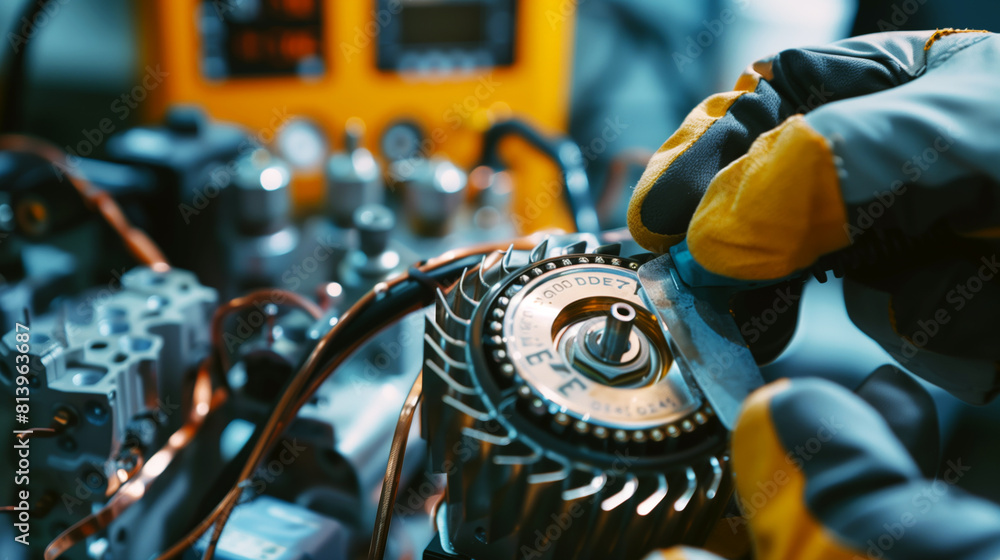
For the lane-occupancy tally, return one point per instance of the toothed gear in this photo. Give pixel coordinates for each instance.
(555, 444)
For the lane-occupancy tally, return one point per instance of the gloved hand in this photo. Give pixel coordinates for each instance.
(821, 476)
(886, 136)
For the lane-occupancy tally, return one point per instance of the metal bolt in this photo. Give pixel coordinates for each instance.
(617, 330)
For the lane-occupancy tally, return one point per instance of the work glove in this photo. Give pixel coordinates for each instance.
(821, 475)
(878, 155)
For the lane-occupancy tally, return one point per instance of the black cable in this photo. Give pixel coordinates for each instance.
(12, 113)
(412, 292)
(382, 309)
(426, 280)
(564, 153)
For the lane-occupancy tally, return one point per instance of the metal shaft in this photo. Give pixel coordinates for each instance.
(617, 330)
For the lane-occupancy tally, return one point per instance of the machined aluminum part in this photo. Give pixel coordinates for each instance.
(549, 450)
(113, 355)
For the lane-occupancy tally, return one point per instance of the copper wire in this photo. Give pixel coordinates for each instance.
(122, 476)
(293, 398)
(393, 469)
(60, 422)
(37, 433)
(203, 401)
(243, 302)
(142, 248)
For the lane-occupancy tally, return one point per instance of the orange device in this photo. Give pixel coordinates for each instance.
(425, 76)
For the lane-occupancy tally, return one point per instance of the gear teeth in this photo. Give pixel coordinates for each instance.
(644, 258)
(595, 485)
(452, 383)
(465, 303)
(713, 487)
(454, 325)
(446, 338)
(530, 457)
(692, 484)
(450, 362)
(505, 265)
(505, 485)
(648, 505)
(576, 248)
(540, 250)
(478, 415)
(482, 286)
(480, 435)
(548, 477)
(623, 495)
(611, 249)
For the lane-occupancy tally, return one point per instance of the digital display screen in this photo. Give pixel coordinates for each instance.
(446, 36)
(262, 38)
(442, 24)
